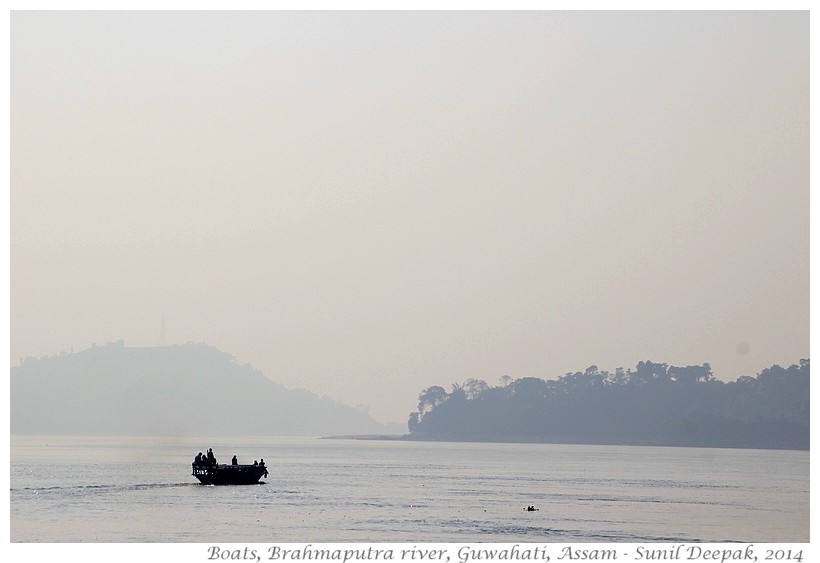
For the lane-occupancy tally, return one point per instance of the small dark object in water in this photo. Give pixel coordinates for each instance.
(530, 509)
(221, 474)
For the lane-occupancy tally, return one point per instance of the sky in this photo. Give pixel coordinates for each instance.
(365, 204)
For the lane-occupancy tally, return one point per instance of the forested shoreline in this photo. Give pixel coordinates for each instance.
(654, 404)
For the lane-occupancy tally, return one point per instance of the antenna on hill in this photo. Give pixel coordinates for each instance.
(162, 331)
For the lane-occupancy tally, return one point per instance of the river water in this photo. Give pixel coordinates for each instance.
(138, 489)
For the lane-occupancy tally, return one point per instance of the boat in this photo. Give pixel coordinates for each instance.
(223, 474)
(209, 472)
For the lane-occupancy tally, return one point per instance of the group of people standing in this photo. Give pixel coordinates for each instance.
(205, 460)
(209, 460)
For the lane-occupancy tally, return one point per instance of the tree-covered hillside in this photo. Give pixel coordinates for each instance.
(189, 390)
(654, 404)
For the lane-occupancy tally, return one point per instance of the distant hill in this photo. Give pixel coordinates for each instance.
(188, 390)
(656, 404)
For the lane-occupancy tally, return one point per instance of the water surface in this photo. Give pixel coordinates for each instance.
(69, 489)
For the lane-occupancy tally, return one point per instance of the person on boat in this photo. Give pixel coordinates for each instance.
(233, 461)
(255, 463)
(211, 457)
(262, 462)
(197, 460)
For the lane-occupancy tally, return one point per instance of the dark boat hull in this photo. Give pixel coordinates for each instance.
(230, 474)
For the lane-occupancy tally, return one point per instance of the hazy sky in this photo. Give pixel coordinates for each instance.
(366, 204)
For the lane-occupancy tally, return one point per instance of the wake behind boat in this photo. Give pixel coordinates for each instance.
(209, 472)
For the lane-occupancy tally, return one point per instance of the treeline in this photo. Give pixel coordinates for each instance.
(654, 404)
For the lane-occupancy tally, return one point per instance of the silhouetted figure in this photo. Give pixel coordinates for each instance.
(254, 462)
(211, 457)
(198, 460)
(233, 461)
(262, 463)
